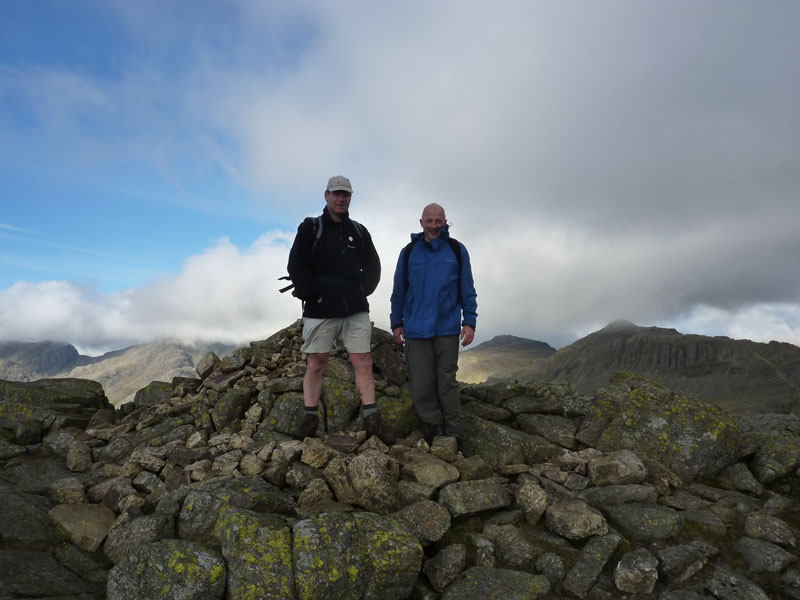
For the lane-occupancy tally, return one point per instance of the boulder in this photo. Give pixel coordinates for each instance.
(472, 497)
(496, 584)
(169, 570)
(689, 436)
(155, 392)
(360, 555)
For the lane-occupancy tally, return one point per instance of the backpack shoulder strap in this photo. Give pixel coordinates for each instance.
(359, 228)
(406, 253)
(456, 248)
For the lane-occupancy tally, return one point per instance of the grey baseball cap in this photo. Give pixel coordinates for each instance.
(339, 182)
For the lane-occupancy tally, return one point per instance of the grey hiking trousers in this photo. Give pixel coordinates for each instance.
(432, 365)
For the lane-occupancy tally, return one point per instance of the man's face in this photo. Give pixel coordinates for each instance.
(338, 203)
(432, 222)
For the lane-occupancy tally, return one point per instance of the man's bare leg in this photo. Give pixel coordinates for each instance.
(312, 382)
(365, 381)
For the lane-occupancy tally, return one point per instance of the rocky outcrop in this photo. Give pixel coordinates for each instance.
(197, 491)
(740, 375)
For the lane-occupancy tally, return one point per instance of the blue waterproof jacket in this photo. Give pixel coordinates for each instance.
(429, 306)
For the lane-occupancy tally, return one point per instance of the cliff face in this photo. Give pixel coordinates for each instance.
(739, 374)
(28, 361)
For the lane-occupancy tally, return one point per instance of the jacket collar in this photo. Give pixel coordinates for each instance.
(327, 216)
(437, 241)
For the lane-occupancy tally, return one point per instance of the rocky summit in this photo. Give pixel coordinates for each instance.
(197, 490)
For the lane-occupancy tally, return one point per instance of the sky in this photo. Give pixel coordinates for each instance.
(624, 159)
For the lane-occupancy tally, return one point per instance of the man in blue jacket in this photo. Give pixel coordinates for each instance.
(433, 288)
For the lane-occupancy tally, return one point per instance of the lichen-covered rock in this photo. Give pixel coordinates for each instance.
(777, 456)
(531, 498)
(616, 468)
(645, 522)
(596, 553)
(426, 520)
(473, 497)
(496, 584)
(688, 435)
(679, 563)
(153, 393)
(445, 566)
(636, 572)
(556, 429)
(619, 494)
(575, 520)
(258, 551)
(729, 585)
(762, 556)
(772, 529)
(342, 403)
(230, 408)
(373, 476)
(425, 468)
(500, 444)
(206, 364)
(169, 570)
(125, 539)
(360, 555)
(512, 549)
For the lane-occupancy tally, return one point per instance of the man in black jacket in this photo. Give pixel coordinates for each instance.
(334, 267)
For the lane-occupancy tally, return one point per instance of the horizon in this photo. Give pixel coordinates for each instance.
(635, 160)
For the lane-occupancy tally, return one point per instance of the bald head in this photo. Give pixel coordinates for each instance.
(433, 210)
(432, 221)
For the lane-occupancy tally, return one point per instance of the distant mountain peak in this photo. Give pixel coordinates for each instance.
(513, 342)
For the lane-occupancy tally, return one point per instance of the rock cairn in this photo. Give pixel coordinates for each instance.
(196, 490)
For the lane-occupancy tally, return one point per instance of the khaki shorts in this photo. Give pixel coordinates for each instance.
(352, 333)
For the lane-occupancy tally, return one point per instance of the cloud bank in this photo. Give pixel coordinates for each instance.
(629, 160)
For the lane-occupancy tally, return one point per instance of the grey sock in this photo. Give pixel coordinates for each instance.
(368, 409)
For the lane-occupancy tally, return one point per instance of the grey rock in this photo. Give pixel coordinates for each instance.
(427, 520)
(575, 520)
(473, 497)
(596, 553)
(552, 566)
(24, 520)
(443, 568)
(147, 460)
(679, 563)
(616, 468)
(170, 570)
(257, 549)
(480, 551)
(705, 522)
(316, 492)
(33, 574)
(739, 477)
(155, 392)
(683, 500)
(67, 491)
(636, 572)
(370, 556)
(230, 409)
(558, 430)
(79, 457)
(374, 482)
(619, 494)
(762, 556)
(499, 444)
(777, 456)
(531, 498)
(126, 539)
(511, 548)
(148, 483)
(424, 468)
(496, 584)
(474, 467)
(86, 525)
(645, 522)
(765, 527)
(206, 364)
(726, 584)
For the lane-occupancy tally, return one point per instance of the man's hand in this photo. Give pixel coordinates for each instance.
(399, 335)
(467, 335)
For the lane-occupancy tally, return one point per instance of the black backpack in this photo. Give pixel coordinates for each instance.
(316, 223)
(454, 246)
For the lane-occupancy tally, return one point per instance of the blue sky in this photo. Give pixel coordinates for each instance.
(630, 159)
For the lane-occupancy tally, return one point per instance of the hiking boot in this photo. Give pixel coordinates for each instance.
(431, 431)
(374, 426)
(460, 446)
(308, 428)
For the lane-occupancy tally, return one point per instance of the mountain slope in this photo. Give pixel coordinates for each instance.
(739, 374)
(500, 357)
(121, 372)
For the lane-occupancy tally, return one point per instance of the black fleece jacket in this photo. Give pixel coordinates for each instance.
(344, 269)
